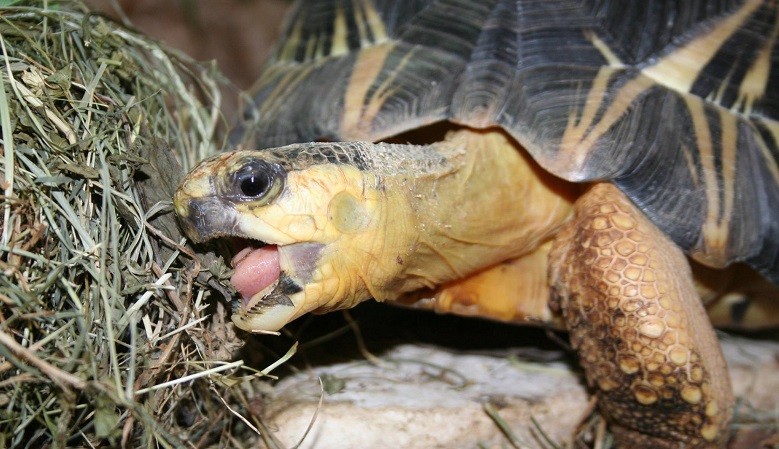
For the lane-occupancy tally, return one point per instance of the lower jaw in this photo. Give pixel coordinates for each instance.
(268, 319)
(284, 299)
(269, 322)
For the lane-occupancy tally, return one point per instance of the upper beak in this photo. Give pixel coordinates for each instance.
(207, 218)
(202, 214)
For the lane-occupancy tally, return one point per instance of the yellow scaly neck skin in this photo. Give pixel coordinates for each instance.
(480, 203)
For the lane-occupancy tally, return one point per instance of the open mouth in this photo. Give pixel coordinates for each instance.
(270, 280)
(257, 272)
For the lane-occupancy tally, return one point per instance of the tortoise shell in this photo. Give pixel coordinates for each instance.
(675, 102)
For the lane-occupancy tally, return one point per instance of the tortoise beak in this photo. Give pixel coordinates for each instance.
(202, 214)
(207, 218)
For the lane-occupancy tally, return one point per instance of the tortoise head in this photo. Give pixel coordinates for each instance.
(313, 219)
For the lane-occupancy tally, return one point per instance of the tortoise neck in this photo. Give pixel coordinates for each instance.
(475, 200)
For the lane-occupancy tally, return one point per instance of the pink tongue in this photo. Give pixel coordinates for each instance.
(255, 269)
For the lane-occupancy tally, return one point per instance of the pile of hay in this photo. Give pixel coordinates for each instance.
(106, 335)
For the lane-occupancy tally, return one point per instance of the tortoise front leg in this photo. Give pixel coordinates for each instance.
(643, 337)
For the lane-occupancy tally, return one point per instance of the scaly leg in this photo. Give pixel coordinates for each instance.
(642, 334)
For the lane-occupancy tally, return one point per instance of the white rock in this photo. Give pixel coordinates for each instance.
(427, 397)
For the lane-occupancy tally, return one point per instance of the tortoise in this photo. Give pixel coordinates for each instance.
(520, 160)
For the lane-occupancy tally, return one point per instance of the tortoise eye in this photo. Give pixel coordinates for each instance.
(255, 184)
(258, 180)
